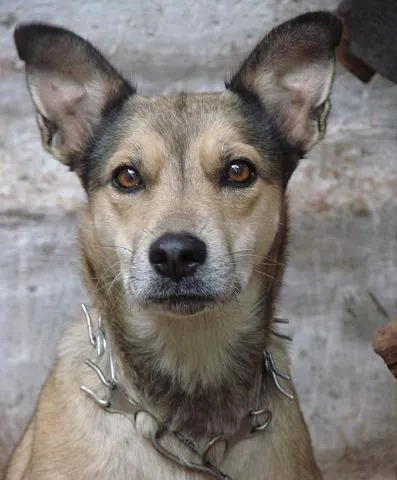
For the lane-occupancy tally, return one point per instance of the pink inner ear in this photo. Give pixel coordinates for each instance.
(73, 107)
(301, 95)
(296, 122)
(308, 84)
(304, 89)
(53, 95)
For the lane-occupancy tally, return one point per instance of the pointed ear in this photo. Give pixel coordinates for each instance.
(290, 73)
(72, 87)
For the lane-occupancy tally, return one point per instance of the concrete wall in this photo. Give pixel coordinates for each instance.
(344, 219)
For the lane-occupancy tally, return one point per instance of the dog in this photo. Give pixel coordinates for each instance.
(182, 374)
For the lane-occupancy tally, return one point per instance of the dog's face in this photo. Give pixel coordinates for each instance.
(190, 202)
(185, 191)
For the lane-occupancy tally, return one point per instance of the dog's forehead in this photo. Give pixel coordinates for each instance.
(181, 117)
(158, 129)
(176, 130)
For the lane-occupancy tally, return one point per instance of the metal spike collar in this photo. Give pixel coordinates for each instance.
(117, 400)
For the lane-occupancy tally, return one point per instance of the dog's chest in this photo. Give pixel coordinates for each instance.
(136, 459)
(122, 451)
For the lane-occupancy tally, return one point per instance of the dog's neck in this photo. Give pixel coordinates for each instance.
(211, 362)
(201, 370)
(200, 350)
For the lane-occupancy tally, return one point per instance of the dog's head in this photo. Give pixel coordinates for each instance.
(185, 191)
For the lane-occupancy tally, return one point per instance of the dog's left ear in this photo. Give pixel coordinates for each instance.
(290, 73)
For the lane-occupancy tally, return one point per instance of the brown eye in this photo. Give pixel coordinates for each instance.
(126, 178)
(239, 173)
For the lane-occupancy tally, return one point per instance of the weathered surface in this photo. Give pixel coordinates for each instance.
(344, 220)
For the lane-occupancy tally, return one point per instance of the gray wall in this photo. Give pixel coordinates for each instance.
(344, 220)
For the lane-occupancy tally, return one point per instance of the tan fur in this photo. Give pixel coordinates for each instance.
(229, 223)
(195, 369)
(283, 452)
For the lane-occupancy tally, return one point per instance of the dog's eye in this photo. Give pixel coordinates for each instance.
(239, 173)
(126, 178)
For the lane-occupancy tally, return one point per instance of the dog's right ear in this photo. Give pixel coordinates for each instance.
(72, 86)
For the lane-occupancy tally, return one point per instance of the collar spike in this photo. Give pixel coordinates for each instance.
(271, 367)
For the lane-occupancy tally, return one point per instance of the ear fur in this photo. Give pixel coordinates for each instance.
(71, 85)
(290, 72)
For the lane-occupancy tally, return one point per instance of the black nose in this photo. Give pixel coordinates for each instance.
(177, 255)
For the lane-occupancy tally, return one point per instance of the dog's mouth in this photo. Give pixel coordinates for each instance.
(188, 297)
(182, 304)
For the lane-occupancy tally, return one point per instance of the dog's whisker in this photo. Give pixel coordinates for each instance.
(118, 246)
(146, 230)
(274, 261)
(109, 286)
(109, 268)
(264, 274)
(203, 228)
(266, 260)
